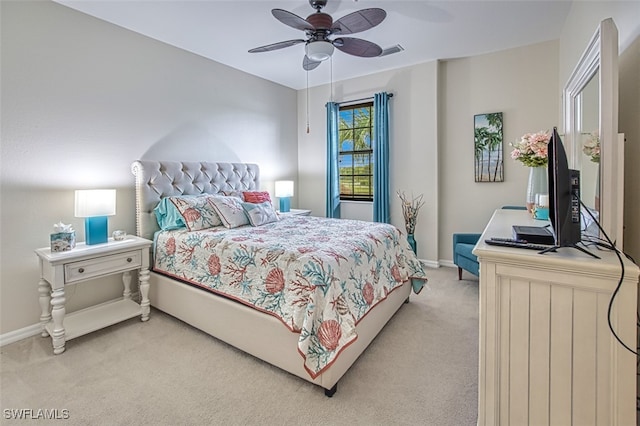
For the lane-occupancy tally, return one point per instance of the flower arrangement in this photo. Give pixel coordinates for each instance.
(591, 147)
(531, 150)
(410, 210)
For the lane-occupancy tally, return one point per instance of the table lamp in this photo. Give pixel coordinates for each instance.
(95, 205)
(284, 191)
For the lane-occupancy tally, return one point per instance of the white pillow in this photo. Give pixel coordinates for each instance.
(230, 211)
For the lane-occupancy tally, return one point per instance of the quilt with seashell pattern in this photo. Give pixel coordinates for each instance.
(319, 276)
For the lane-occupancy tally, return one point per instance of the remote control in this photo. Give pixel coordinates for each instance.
(517, 245)
(508, 240)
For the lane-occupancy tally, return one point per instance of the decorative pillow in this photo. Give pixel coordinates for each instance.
(230, 211)
(256, 197)
(261, 213)
(197, 211)
(167, 216)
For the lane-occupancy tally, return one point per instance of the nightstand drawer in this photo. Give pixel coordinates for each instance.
(78, 271)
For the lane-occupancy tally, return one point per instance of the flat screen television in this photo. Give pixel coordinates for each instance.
(564, 196)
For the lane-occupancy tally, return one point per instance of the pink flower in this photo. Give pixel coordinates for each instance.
(592, 147)
(532, 149)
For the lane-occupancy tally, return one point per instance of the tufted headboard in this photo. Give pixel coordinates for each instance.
(158, 179)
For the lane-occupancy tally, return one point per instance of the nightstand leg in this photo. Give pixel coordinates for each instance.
(44, 289)
(144, 292)
(126, 280)
(57, 313)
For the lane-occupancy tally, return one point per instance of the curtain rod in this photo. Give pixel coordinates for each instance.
(370, 98)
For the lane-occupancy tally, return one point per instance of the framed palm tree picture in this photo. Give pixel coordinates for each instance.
(488, 155)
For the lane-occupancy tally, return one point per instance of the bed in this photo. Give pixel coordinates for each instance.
(301, 293)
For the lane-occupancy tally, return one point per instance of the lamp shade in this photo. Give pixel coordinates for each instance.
(284, 188)
(95, 202)
(319, 50)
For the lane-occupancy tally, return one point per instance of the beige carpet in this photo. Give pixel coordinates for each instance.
(421, 370)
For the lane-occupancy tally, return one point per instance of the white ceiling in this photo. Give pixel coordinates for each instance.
(224, 31)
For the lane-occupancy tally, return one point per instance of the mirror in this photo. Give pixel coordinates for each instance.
(590, 109)
(587, 158)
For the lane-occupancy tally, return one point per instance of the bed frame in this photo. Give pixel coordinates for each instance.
(249, 330)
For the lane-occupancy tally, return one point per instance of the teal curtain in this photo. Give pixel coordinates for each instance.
(381, 202)
(333, 172)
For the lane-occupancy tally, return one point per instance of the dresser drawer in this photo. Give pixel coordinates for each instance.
(79, 271)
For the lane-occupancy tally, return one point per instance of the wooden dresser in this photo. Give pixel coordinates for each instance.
(547, 355)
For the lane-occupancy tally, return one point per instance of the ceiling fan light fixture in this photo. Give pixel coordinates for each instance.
(319, 50)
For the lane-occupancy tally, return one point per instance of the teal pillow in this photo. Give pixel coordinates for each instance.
(168, 216)
(194, 212)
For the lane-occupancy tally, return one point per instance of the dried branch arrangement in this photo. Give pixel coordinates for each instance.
(410, 210)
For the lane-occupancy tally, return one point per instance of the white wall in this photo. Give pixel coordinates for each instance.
(81, 100)
(524, 83)
(413, 145)
(521, 83)
(432, 136)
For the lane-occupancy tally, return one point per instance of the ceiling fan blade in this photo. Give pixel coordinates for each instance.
(357, 47)
(360, 20)
(308, 64)
(276, 46)
(291, 19)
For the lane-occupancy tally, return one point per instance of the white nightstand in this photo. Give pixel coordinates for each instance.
(84, 263)
(297, 212)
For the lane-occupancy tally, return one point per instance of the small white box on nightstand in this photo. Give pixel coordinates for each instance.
(63, 241)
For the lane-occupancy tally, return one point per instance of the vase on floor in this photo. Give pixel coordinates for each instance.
(412, 243)
(537, 185)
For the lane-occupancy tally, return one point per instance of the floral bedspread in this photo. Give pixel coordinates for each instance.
(319, 276)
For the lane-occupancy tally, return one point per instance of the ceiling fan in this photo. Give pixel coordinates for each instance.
(319, 26)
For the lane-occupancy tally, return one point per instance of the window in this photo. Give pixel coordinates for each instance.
(355, 153)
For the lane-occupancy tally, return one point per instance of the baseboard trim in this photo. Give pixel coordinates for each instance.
(448, 263)
(23, 333)
(437, 263)
(430, 263)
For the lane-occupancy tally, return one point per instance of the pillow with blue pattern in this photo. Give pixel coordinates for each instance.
(260, 213)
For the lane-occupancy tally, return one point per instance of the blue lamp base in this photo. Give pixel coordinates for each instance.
(95, 230)
(285, 204)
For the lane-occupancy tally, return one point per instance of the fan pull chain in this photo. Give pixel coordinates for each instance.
(307, 101)
(331, 77)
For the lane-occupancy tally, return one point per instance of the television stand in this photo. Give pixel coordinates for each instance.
(546, 355)
(575, 246)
